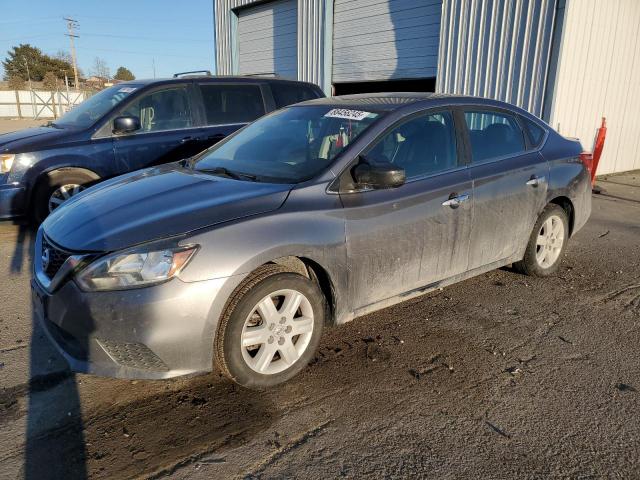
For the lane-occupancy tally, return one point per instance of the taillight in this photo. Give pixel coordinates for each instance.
(587, 159)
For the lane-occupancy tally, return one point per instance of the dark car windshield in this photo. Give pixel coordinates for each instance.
(288, 146)
(93, 108)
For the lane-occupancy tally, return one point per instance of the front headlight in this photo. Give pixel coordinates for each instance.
(6, 161)
(133, 269)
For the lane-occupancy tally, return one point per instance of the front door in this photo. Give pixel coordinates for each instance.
(168, 130)
(509, 186)
(414, 235)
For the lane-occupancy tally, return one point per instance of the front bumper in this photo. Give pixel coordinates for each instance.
(12, 200)
(156, 332)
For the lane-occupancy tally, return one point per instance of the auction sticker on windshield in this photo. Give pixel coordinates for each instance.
(348, 114)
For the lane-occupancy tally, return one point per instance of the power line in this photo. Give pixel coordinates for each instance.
(137, 37)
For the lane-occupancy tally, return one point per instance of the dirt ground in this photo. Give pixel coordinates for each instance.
(13, 124)
(501, 376)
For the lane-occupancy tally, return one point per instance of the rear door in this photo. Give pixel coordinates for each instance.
(509, 185)
(412, 236)
(227, 107)
(169, 129)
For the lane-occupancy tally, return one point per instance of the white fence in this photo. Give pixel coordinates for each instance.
(37, 103)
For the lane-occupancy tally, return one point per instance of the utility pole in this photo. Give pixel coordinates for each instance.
(153, 64)
(71, 24)
(26, 64)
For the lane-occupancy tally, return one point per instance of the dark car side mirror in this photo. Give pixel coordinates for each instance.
(126, 124)
(378, 175)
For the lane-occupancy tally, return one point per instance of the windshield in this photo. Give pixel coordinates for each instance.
(288, 146)
(93, 108)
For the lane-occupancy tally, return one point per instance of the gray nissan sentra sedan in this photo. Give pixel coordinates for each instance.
(311, 216)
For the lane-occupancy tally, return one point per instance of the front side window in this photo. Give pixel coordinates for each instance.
(289, 145)
(493, 135)
(166, 109)
(286, 94)
(92, 109)
(421, 146)
(225, 104)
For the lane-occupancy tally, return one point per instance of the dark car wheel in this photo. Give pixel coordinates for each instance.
(56, 188)
(271, 328)
(546, 244)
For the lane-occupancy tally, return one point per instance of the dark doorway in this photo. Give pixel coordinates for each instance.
(413, 85)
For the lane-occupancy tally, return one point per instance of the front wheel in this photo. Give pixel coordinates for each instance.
(546, 244)
(56, 188)
(271, 328)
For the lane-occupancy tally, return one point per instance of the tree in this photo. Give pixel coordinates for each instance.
(50, 81)
(100, 68)
(124, 73)
(18, 58)
(16, 82)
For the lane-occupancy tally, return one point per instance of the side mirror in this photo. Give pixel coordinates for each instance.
(126, 124)
(378, 175)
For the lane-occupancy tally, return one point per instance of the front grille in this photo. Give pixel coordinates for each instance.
(55, 256)
(134, 355)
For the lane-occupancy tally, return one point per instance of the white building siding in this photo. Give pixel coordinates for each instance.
(385, 39)
(599, 76)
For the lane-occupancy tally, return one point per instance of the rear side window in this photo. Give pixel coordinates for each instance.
(493, 135)
(231, 103)
(286, 94)
(535, 131)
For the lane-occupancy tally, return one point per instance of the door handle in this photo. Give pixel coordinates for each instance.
(455, 200)
(534, 181)
(188, 139)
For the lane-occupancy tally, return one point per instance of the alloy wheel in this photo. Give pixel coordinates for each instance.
(62, 194)
(550, 241)
(277, 331)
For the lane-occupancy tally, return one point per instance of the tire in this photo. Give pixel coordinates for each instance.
(544, 260)
(53, 182)
(264, 364)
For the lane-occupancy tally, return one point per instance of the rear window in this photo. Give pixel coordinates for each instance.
(535, 131)
(493, 135)
(286, 94)
(231, 103)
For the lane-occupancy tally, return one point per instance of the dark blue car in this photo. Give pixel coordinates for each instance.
(127, 127)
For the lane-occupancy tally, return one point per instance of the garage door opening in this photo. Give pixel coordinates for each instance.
(413, 85)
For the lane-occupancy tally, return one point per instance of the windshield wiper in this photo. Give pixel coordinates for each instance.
(228, 173)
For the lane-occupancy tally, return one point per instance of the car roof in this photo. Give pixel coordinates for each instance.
(390, 101)
(215, 79)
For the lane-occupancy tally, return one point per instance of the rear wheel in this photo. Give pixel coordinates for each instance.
(56, 188)
(546, 244)
(271, 328)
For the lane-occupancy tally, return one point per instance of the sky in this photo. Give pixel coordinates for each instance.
(176, 35)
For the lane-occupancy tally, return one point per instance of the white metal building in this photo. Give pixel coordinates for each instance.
(570, 62)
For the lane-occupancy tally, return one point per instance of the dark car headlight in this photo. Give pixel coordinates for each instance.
(134, 268)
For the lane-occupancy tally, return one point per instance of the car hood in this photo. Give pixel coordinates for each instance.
(22, 139)
(153, 204)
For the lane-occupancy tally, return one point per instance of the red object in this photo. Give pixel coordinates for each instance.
(591, 159)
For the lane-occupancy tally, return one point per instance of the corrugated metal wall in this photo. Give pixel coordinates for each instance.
(313, 39)
(496, 49)
(599, 75)
(385, 39)
(268, 39)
